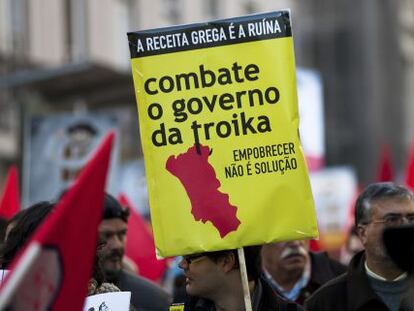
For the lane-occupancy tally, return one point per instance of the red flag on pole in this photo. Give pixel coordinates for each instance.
(409, 173)
(140, 245)
(10, 199)
(52, 273)
(385, 168)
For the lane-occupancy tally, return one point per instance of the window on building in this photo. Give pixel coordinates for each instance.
(173, 11)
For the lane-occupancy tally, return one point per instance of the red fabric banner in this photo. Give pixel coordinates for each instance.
(53, 271)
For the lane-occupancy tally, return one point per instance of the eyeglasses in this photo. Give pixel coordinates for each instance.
(395, 219)
(191, 258)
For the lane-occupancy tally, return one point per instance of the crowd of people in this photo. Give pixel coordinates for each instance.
(281, 276)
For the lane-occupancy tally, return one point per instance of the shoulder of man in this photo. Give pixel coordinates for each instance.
(131, 280)
(274, 301)
(322, 262)
(144, 291)
(328, 296)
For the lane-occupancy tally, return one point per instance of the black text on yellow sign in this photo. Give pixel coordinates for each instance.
(237, 102)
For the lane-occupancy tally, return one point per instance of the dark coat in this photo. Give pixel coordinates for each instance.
(323, 269)
(348, 292)
(269, 301)
(145, 295)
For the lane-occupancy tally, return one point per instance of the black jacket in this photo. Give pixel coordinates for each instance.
(323, 269)
(269, 300)
(145, 295)
(348, 292)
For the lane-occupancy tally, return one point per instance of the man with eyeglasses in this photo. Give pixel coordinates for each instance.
(372, 281)
(213, 282)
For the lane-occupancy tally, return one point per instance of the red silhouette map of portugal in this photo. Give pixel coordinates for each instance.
(201, 184)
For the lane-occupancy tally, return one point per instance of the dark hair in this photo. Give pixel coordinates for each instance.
(3, 226)
(24, 225)
(376, 192)
(112, 209)
(252, 258)
(98, 272)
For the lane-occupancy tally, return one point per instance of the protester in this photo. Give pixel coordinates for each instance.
(97, 284)
(213, 282)
(145, 295)
(21, 227)
(295, 272)
(372, 281)
(352, 246)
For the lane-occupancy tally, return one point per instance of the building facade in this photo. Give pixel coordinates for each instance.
(72, 56)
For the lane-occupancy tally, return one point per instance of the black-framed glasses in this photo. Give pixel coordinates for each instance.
(191, 258)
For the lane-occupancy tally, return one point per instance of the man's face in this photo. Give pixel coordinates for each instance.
(203, 276)
(286, 256)
(386, 212)
(112, 232)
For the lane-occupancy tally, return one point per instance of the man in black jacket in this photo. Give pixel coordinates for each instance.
(294, 272)
(373, 281)
(213, 282)
(145, 295)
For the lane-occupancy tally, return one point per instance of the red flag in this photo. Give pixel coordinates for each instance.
(314, 246)
(409, 174)
(52, 273)
(10, 199)
(385, 169)
(140, 245)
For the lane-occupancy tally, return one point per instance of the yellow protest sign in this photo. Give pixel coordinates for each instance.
(177, 307)
(219, 121)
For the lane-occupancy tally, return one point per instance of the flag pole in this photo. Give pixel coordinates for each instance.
(244, 279)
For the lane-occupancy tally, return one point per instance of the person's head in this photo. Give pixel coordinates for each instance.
(21, 227)
(112, 231)
(287, 257)
(381, 205)
(209, 274)
(3, 226)
(353, 244)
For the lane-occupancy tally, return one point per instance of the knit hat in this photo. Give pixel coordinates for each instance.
(113, 209)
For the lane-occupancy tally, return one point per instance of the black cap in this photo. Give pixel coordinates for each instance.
(113, 209)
